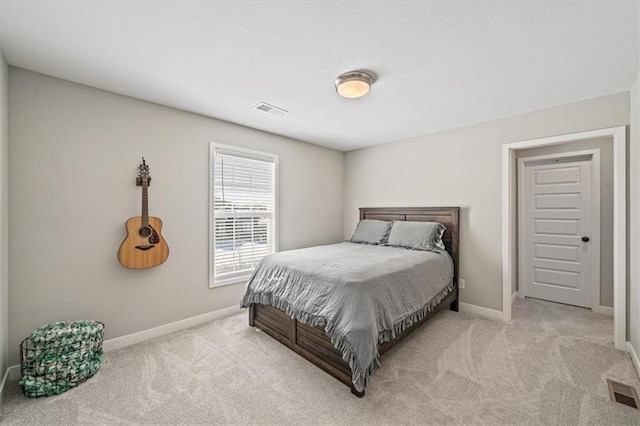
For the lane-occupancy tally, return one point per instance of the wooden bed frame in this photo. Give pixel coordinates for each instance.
(313, 343)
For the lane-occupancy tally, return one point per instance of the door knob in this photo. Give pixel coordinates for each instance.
(585, 239)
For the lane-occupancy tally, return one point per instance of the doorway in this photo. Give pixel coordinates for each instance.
(617, 136)
(559, 207)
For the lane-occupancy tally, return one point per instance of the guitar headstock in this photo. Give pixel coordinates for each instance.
(144, 178)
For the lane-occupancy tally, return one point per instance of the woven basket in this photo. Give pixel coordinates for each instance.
(60, 356)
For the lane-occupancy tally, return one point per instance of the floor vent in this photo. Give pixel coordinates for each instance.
(624, 394)
(271, 109)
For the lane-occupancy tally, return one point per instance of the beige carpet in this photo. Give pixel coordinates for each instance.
(547, 367)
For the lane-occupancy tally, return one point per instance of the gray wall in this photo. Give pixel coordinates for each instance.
(4, 273)
(74, 152)
(462, 167)
(605, 145)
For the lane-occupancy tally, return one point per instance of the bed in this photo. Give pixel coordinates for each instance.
(309, 335)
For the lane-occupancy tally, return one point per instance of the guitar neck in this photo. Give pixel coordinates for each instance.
(145, 206)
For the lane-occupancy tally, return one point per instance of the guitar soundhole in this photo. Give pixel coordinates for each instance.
(144, 232)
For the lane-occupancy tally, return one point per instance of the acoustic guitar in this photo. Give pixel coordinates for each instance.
(144, 246)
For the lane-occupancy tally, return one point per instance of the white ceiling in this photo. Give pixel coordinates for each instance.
(440, 64)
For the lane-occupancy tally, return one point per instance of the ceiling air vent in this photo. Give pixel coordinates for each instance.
(271, 109)
(623, 394)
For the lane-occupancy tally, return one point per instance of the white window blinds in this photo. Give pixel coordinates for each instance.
(243, 212)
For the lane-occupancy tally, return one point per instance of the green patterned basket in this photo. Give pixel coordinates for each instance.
(59, 356)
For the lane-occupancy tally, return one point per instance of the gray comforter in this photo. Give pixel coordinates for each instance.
(362, 295)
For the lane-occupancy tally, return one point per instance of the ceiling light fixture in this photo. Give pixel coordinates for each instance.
(354, 84)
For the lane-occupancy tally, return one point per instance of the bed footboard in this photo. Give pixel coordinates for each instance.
(313, 344)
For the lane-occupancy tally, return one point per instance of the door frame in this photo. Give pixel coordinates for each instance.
(509, 231)
(594, 159)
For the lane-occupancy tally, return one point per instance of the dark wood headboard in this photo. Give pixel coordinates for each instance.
(448, 216)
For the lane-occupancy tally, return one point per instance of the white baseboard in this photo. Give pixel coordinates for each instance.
(480, 311)
(5, 380)
(13, 372)
(634, 357)
(606, 310)
(141, 336)
(514, 296)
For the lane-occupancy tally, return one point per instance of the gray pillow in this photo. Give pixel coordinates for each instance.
(417, 235)
(371, 231)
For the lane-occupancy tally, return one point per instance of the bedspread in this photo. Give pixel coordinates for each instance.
(361, 295)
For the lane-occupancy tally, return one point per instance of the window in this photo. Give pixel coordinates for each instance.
(242, 212)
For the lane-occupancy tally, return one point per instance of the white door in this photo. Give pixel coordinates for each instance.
(556, 232)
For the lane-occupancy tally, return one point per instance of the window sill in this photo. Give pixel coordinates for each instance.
(229, 281)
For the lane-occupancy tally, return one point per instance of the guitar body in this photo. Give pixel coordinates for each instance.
(144, 247)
